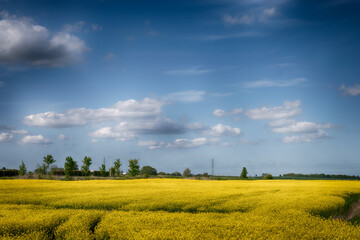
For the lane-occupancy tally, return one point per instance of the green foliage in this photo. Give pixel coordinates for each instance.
(103, 170)
(187, 173)
(148, 170)
(22, 168)
(205, 174)
(134, 167)
(112, 172)
(117, 165)
(85, 168)
(70, 166)
(48, 160)
(244, 173)
(176, 174)
(268, 176)
(41, 169)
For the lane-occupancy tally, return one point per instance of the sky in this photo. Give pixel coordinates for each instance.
(270, 85)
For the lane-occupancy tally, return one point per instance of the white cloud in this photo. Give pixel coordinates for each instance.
(253, 17)
(20, 132)
(130, 109)
(289, 109)
(126, 131)
(94, 140)
(6, 137)
(186, 96)
(221, 113)
(189, 71)
(35, 139)
(222, 130)
(180, 143)
(267, 13)
(281, 122)
(353, 91)
(302, 127)
(112, 133)
(151, 144)
(217, 130)
(191, 143)
(275, 83)
(244, 19)
(306, 138)
(22, 41)
(63, 137)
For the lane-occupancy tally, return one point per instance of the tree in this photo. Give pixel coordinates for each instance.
(187, 172)
(244, 173)
(22, 168)
(117, 165)
(103, 169)
(70, 166)
(177, 174)
(148, 170)
(134, 167)
(48, 160)
(85, 168)
(267, 176)
(40, 169)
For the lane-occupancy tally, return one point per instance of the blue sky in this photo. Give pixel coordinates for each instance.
(270, 85)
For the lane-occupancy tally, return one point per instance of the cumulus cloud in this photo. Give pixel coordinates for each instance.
(6, 137)
(303, 127)
(287, 110)
(217, 130)
(35, 139)
(180, 143)
(62, 137)
(221, 113)
(151, 144)
(24, 42)
(20, 132)
(222, 130)
(186, 96)
(130, 109)
(189, 71)
(281, 122)
(306, 138)
(126, 131)
(275, 83)
(352, 91)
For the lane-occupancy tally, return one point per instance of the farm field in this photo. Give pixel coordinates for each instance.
(175, 209)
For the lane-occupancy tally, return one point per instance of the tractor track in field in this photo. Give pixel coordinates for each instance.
(354, 210)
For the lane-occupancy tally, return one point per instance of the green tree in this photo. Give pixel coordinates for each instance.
(22, 168)
(70, 166)
(187, 172)
(117, 165)
(244, 173)
(148, 170)
(48, 160)
(134, 167)
(85, 168)
(103, 169)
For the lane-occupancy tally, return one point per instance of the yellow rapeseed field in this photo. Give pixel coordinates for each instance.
(174, 209)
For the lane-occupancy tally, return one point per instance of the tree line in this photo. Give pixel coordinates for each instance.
(71, 168)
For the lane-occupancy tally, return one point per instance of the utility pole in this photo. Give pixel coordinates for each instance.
(212, 167)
